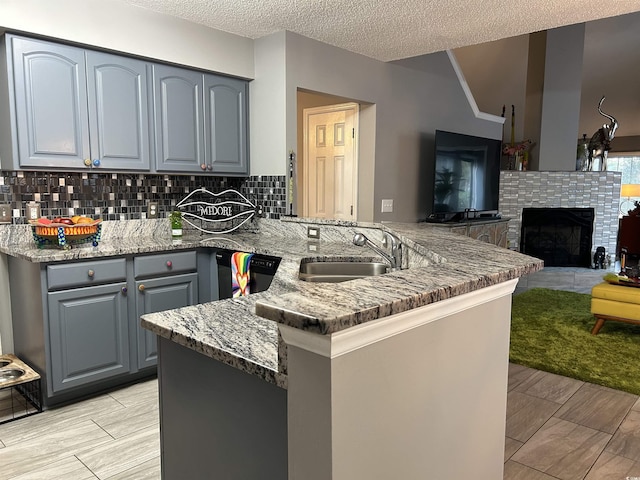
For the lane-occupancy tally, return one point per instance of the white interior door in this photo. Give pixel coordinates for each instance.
(330, 162)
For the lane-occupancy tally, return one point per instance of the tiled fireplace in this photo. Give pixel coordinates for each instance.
(597, 190)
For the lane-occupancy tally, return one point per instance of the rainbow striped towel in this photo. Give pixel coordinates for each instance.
(240, 274)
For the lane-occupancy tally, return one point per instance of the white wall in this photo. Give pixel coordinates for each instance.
(124, 28)
(412, 100)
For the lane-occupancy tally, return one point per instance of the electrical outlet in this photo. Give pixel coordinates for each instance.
(5, 213)
(313, 232)
(33, 210)
(152, 211)
(387, 206)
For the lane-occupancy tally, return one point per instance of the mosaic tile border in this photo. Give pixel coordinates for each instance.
(125, 196)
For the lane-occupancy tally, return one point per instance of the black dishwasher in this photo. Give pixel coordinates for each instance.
(262, 268)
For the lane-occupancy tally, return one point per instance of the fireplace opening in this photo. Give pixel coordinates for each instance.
(559, 236)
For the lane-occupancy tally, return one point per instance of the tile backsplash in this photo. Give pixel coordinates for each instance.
(126, 196)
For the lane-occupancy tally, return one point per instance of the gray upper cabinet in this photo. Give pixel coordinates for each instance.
(177, 95)
(50, 104)
(77, 109)
(201, 122)
(118, 101)
(226, 124)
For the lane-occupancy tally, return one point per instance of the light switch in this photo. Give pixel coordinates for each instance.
(387, 206)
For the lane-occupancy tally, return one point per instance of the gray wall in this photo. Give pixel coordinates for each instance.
(407, 100)
(412, 100)
(561, 98)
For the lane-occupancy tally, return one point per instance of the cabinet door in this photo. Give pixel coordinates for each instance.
(156, 295)
(178, 119)
(51, 104)
(89, 336)
(225, 105)
(118, 111)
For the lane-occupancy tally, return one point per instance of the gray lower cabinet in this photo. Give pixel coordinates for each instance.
(158, 294)
(75, 109)
(89, 335)
(78, 323)
(163, 281)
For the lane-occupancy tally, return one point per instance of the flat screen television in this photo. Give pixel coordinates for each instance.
(466, 176)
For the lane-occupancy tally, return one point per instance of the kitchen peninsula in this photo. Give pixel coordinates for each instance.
(402, 375)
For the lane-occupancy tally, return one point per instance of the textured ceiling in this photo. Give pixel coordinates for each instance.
(390, 30)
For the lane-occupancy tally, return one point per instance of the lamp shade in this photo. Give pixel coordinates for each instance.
(630, 190)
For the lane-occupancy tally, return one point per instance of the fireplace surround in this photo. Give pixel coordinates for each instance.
(532, 189)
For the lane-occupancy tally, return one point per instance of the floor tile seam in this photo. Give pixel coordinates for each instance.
(588, 426)
(104, 430)
(31, 436)
(617, 427)
(516, 451)
(535, 469)
(86, 466)
(619, 454)
(130, 468)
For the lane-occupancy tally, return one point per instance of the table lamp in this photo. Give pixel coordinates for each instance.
(628, 190)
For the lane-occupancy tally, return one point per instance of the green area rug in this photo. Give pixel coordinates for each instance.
(551, 331)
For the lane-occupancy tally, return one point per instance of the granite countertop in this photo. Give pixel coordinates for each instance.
(242, 332)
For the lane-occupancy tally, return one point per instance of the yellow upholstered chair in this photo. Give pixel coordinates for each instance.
(614, 302)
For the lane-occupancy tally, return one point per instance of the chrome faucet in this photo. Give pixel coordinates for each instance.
(395, 259)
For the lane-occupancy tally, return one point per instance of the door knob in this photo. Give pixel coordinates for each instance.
(169, 264)
(91, 273)
(141, 287)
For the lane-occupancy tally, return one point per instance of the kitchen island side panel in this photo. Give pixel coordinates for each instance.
(217, 421)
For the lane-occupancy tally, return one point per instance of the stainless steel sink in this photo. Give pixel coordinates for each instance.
(333, 272)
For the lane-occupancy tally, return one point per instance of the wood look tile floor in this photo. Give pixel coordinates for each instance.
(557, 428)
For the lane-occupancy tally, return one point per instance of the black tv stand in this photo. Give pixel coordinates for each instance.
(462, 217)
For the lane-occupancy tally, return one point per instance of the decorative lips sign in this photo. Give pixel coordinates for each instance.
(221, 212)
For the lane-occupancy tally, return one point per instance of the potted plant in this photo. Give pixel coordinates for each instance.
(176, 223)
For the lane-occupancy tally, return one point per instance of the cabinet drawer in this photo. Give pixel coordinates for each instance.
(86, 273)
(164, 263)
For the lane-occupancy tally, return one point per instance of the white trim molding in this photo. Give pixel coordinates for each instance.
(354, 338)
(467, 91)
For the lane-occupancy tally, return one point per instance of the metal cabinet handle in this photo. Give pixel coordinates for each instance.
(203, 166)
(209, 167)
(141, 287)
(91, 273)
(87, 162)
(169, 264)
(124, 290)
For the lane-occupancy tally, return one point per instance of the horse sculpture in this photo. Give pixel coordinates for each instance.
(600, 142)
